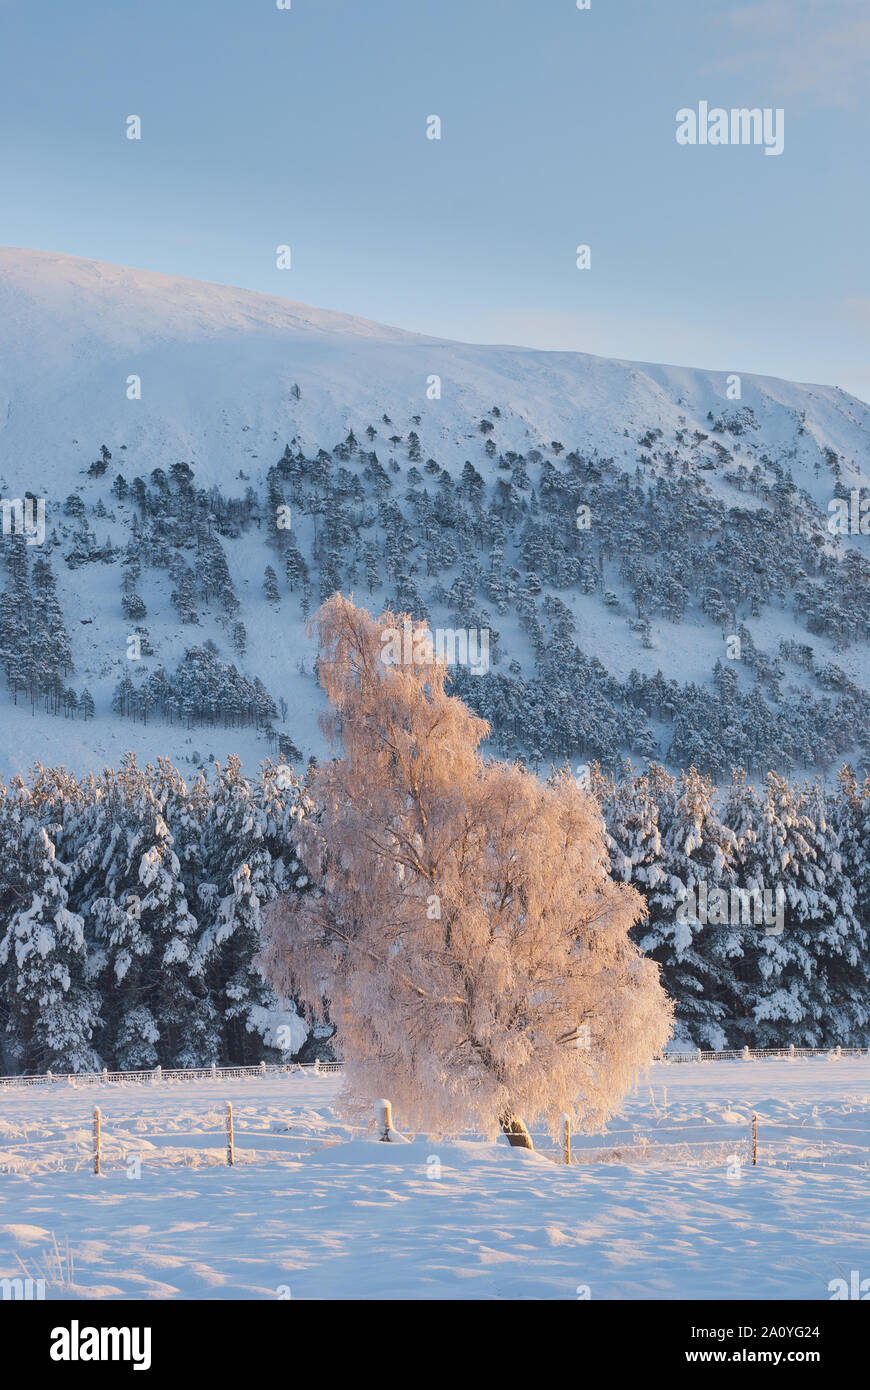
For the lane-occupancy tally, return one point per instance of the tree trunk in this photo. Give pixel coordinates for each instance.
(517, 1134)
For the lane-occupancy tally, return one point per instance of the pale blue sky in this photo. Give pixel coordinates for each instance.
(308, 126)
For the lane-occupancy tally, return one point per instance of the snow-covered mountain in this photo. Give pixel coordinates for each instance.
(218, 363)
(155, 370)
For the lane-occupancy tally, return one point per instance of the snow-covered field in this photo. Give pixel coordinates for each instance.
(314, 1208)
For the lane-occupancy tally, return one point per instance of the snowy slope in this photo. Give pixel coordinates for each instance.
(218, 366)
(340, 1217)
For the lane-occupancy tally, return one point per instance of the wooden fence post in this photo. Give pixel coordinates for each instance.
(97, 1140)
(565, 1136)
(230, 1145)
(754, 1139)
(384, 1115)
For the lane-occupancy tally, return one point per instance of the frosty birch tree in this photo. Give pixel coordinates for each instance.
(465, 930)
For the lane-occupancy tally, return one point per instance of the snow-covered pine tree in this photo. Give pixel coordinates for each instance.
(238, 991)
(177, 995)
(49, 1012)
(688, 930)
(133, 891)
(113, 836)
(840, 935)
(238, 875)
(796, 986)
(851, 816)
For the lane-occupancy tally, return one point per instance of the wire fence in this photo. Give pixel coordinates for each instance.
(796, 1145)
(158, 1074)
(157, 1143)
(749, 1054)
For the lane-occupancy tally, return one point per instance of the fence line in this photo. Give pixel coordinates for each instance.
(748, 1054)
(158, 1074)
(772, 1145)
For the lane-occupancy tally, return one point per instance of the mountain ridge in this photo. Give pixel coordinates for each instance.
(152, 321)
(695, 495)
